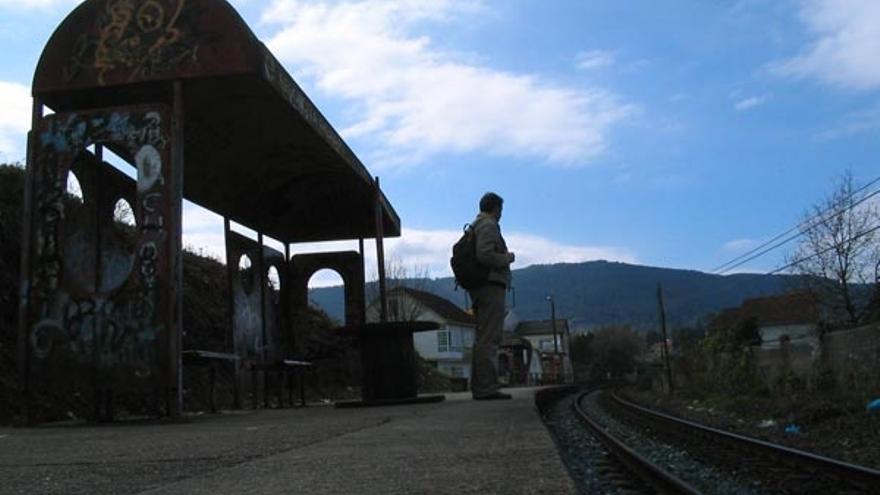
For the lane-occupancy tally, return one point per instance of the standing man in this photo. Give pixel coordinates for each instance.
(488, 299)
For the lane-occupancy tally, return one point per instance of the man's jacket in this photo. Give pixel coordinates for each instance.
(491, 248)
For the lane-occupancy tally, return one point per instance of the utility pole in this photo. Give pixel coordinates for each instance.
(663, 329)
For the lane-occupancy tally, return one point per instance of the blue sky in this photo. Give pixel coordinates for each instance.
(671, 133)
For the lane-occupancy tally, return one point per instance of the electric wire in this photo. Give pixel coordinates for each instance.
(829, 248)
(800, 227)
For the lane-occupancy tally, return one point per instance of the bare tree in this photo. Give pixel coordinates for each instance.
(839, 253)
(399, 276)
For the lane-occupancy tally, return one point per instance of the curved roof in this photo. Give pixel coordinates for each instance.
(256, 149)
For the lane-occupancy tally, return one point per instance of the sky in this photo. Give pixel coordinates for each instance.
(674, 133)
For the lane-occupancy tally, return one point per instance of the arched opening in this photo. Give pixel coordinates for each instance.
(74, 188)
(118, 243)
(332, 351)
(123, 213)
(78, 233)
(246, 273)
(273, 280)
(327, 293)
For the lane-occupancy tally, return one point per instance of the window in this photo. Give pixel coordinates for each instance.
(443, 341)
(450, 340)
(456, 341)
(468, 338)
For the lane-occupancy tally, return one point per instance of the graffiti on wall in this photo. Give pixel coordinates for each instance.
(107, 328)
(247, 324)
(137, 39)
(72, 132)
(258, 320)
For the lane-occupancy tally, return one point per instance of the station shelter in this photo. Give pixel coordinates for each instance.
(198, 107)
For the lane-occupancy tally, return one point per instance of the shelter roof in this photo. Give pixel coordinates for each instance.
(256, 149)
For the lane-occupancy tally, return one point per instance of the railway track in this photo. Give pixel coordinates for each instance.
(671, 455)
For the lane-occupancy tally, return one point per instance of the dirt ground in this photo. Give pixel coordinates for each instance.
(825, 427)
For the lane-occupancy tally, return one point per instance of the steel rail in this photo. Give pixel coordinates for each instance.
(863, 476)
(658, 478)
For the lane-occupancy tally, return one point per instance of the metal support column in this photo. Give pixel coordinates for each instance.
(24, 345)
(380, 255)
(175, 265)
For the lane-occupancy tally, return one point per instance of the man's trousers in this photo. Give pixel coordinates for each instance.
(489, 308)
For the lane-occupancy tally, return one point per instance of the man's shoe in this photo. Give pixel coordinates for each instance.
(494, 396)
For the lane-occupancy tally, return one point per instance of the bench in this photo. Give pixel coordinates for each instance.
(212, 360)
(284, 369)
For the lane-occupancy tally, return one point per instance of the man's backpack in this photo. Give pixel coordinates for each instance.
(469, 273)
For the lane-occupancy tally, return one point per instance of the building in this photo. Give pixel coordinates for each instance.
(788, 326)
(792, 317)
(447, 348)
(552, 354)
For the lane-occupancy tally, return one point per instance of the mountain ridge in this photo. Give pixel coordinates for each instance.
(595, 293)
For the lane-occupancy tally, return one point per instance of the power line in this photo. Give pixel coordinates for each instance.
(796, 227)
(800, 228)
(810, 224)
(829, 248)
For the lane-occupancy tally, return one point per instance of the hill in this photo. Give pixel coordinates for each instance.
(600, 292)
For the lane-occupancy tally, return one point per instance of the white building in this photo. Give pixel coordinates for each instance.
(449, 347)
(554, 358)
(792, 318)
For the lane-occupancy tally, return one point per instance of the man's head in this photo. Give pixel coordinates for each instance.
(492, 204)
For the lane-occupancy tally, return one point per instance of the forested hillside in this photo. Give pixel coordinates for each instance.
(600, 292)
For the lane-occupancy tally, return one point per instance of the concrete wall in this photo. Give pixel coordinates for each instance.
(844, 351)
(853, 350)
(770, 334)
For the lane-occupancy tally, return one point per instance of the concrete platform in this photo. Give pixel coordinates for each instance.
(456, 446)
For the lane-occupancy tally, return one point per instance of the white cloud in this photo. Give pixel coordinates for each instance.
(845, 45)
(414, 100)
(15, 120)
(865, 120)
(431, 249)
(750, 102)
(746, 270)
(418, 251)
(594, 59)
(739, 245)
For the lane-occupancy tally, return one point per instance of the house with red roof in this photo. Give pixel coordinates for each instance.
(792, 317)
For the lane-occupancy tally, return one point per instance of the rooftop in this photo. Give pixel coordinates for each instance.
(445, 308)
(541, 327)
(797, 308)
